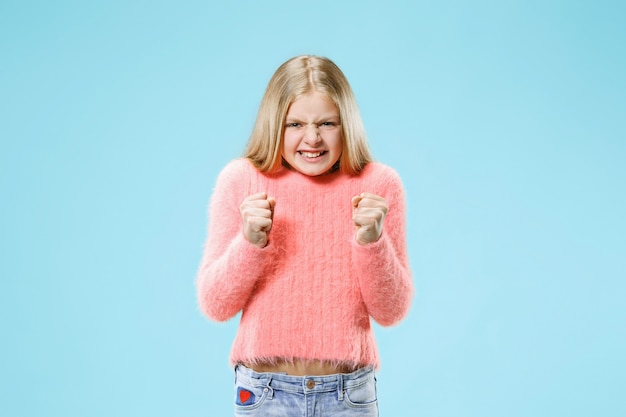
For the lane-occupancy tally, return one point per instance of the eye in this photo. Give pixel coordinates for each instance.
(328, 124)
(292, 124)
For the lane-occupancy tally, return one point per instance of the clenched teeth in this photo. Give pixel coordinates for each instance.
(311, 154)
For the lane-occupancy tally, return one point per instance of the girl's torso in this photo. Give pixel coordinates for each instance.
(299, 367)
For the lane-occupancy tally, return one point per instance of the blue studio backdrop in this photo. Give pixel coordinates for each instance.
(504, 119)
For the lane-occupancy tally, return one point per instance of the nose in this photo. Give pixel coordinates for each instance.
(312, 135)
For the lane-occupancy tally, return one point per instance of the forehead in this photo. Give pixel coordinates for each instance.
(312, 103)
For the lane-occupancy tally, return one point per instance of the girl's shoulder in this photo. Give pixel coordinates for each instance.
(239, 167)
(383, 180)
(235, 176)
(377, 171)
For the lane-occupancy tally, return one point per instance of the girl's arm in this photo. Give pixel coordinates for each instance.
(383, 266)
(230, 264)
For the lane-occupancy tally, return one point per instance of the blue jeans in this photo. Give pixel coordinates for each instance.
(280, 395)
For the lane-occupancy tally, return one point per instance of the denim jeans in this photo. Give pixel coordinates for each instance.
(279, 395)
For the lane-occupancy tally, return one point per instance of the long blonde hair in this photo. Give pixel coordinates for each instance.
(297, 77)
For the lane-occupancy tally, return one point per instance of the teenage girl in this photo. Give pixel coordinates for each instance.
(307, 239)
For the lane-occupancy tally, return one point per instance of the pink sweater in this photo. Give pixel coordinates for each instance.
(310, 293)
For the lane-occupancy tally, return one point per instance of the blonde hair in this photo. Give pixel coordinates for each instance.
(297, 77)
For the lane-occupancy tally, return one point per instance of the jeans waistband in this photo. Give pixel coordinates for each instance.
(304, 384)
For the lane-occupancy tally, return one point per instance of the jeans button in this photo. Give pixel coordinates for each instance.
(310, 384)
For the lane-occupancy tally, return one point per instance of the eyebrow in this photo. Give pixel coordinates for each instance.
(323, 117)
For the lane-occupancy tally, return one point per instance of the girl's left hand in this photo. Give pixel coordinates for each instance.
(368, 213)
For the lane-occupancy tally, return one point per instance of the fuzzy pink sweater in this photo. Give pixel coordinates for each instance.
(310, 293)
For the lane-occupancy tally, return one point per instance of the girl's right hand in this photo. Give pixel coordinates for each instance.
(257, 212)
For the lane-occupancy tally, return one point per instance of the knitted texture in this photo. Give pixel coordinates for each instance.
(310, 293)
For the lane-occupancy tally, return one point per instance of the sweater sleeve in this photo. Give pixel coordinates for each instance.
(383, 267)
(230, 265)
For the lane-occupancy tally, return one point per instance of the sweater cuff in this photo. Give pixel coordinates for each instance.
(371, 249)
(253, 256)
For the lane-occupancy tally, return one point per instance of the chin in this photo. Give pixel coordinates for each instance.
(315, 173)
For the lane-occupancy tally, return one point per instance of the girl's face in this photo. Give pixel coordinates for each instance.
(312, 141)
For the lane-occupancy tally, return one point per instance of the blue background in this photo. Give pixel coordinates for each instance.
(505, 119)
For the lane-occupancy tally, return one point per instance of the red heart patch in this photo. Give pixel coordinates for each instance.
(244, 395)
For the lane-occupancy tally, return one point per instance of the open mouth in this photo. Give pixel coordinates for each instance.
(311, 154)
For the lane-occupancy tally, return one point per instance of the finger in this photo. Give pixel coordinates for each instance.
(251, 212)
(373, 208)
(265, 224)
(260, 224)
(272, 202)
(371, 196)
(367, 219)
(361, 221)
(257, 196)
(356, 200)
(260, 204)
(373, 200)
(364, 219)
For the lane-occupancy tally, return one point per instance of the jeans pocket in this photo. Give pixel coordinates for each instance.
(362, 395)
(249, 397)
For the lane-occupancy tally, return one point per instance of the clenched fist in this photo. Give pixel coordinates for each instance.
(368, 213)
(257, 212)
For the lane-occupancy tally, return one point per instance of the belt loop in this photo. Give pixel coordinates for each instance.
(340, 387)
(270, 393)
